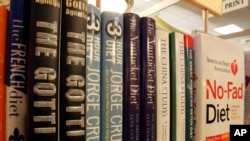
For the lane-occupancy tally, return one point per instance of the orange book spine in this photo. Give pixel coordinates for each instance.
(3, 44)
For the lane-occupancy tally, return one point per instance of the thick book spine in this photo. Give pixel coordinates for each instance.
(43, 78)
(189, 69)
(72, 71)
(112, 76)
(93, 74)
(177, 88)
(3, 45)
(148, 80)
(131, 107)
(162, 86)
(17, 70)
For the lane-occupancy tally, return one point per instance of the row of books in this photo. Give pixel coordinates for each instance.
(76, 73)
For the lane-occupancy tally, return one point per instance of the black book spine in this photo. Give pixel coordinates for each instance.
(43, 76)
(131, 116)
(72, 70)
(148, 90)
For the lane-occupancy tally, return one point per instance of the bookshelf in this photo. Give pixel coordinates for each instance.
(160, 9)
(189, 18)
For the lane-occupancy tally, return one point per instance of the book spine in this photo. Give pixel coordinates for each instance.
(17, 70)
(72, 70)
(43, 79)
(131, 107)
(4, 15)
(112, 76)
(247, 88)
(148, 79)
(93, 74)
(177, 90)
(162, 86)
(189, 67)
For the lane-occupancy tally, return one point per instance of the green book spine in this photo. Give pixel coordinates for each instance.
(177, 87)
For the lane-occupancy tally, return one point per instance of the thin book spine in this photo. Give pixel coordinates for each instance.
(247, 88)
(148, 80)
(162, 86)
(72, 71)
(177, 90)
(93, 74)
(131, 107)
(17, 70)
(112, 76)
(189, 67)
(43, 80)
(4, 15)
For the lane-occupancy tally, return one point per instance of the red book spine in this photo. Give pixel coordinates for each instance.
(3, 41)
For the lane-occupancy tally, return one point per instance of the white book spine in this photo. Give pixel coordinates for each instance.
(163, 86)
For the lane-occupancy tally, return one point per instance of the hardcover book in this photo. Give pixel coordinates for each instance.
(3, 45)
(148, 80)
(111, 76)
(93, 74)
(219, 84)
(43, 79)
(162, 86)
(72, 71)
(17, 70)
(189, 71)
(132, 89)
(177, 87)
(247, 87)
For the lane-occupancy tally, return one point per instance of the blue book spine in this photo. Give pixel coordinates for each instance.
(131, 70)
(43, 76)
(148, 79)
(17, 70)
(111, 76)
(93, 74)
(72, 71)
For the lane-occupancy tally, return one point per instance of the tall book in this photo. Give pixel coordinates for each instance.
(148, 80)
(189, 71)
(162, 86)
(219, 87)
(132, 89)
(177, 87)
(43, 78)
(17, 70)
(4, 15)
(72, 71)
(93, 74)
(247, 87)
(111, 76)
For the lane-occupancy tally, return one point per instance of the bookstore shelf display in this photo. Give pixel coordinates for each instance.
(72, 72)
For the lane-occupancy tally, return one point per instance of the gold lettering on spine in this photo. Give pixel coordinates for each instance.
(76, 8)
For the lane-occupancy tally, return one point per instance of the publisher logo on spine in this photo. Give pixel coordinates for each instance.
(16, 136)
(239, 132)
